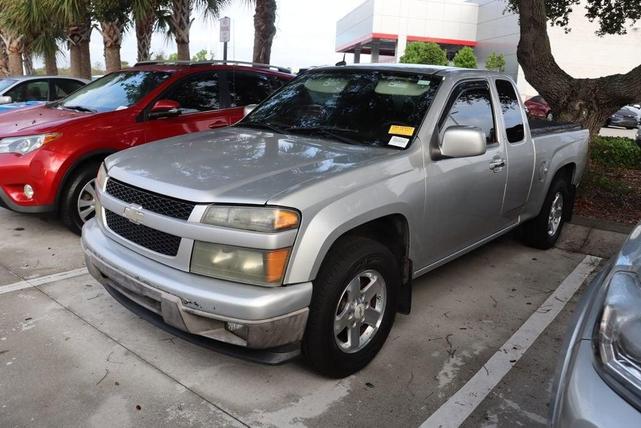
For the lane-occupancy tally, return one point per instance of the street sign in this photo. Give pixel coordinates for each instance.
(225, 29)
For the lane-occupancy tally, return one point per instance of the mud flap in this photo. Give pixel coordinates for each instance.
(405, 293)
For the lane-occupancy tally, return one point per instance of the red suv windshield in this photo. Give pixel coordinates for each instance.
(115, 91)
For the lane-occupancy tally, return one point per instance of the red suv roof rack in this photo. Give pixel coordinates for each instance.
(215, 62)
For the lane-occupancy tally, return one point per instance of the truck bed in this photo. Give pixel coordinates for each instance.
(539, 127)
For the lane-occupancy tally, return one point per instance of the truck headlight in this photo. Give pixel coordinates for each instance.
(619, 331)
(246, 265)
(258, 219)
(101, 178)
(24, 145)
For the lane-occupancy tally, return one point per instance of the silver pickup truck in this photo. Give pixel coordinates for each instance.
(301, 227)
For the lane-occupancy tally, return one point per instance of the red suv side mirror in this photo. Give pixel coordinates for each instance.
(164, 108)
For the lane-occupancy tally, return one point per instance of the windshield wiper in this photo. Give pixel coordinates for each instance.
(262, 125)
(79, 108)
(329, 132)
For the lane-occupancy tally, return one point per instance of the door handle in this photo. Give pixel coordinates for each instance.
(497, 165)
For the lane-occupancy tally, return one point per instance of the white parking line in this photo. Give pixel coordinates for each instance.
(47, 279)
(461, 405)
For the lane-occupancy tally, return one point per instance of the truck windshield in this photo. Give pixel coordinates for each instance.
(355, 106)
(115, 91)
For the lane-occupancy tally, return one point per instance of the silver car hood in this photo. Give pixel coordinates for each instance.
(237, 165)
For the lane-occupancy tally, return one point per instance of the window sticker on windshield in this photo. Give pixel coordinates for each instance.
(398, 142)
(401, 130)
(423, 82)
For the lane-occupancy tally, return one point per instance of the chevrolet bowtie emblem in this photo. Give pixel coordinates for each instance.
(134, 213)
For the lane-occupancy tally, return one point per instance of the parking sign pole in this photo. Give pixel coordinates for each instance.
(225, 27)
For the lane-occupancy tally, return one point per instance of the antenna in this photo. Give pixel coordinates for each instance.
(341, 63)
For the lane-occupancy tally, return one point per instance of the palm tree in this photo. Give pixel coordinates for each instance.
(75, 16)
(145, 15)
(264, 29)
(32, 19)
(15, 46)
(113, 16)
(180, 20)
(4, 59)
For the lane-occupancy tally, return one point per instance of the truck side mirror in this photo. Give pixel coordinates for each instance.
(5, 100)
(463, 141)
(164, 108)
(248, 109)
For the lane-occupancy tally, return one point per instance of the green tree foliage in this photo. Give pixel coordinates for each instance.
(424, 53)
(465, 58)
(201, 55)
(495, 62)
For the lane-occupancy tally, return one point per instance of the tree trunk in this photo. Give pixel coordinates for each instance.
(181, 23)
(4, 59)
(15, 47)
(85, 60)
(112, 38)
(27, 60)
(51, 65)
(264, 30)
(144, 31)
(586, 101)
(78, 37)
(74, 60)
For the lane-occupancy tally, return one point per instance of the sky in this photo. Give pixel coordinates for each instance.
(305, 34)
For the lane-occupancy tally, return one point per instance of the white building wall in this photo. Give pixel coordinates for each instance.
(355, 25)
(497, 32)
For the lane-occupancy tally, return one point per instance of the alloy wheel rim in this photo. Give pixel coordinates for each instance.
(87, 201)
(556, 214)
(360, 311)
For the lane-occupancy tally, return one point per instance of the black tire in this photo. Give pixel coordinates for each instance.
(536, 232)
(349, 257)
(70, 194)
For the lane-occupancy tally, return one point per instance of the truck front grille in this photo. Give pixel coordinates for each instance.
(151, 201)
(152, 239)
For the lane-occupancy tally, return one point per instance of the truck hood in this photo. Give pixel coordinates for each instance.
(36, 120)
(236, 165)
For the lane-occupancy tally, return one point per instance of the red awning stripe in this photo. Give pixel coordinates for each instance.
(386, 36)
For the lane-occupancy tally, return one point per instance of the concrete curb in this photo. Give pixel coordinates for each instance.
(595, 223)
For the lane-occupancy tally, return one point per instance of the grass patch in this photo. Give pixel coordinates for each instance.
(616, 152)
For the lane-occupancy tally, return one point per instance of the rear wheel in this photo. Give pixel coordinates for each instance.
(78, 203)
(353, 307)
(544, 230)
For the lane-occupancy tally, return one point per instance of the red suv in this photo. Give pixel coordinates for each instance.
(537, 107)
(49, 155)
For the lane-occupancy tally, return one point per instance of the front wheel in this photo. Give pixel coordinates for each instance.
(544, 230)
(78, 202)
(353, 307)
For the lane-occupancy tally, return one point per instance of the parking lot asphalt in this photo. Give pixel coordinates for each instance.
(72, 356)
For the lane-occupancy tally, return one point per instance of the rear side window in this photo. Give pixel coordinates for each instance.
(35, 90)
(472, 107)
(511, 111)
(196, 93)
(249, 88)
(65, 87)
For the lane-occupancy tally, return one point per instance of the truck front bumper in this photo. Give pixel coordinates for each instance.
(249, 316)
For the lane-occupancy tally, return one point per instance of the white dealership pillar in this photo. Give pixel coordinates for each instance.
(401, 44)
(375, 50)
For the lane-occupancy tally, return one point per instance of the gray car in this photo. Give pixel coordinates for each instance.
(24, 91)
(304, 224)
(599, 380)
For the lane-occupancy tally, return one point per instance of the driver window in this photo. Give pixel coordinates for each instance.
(196, 93)
(472, 107)
(36, 90)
